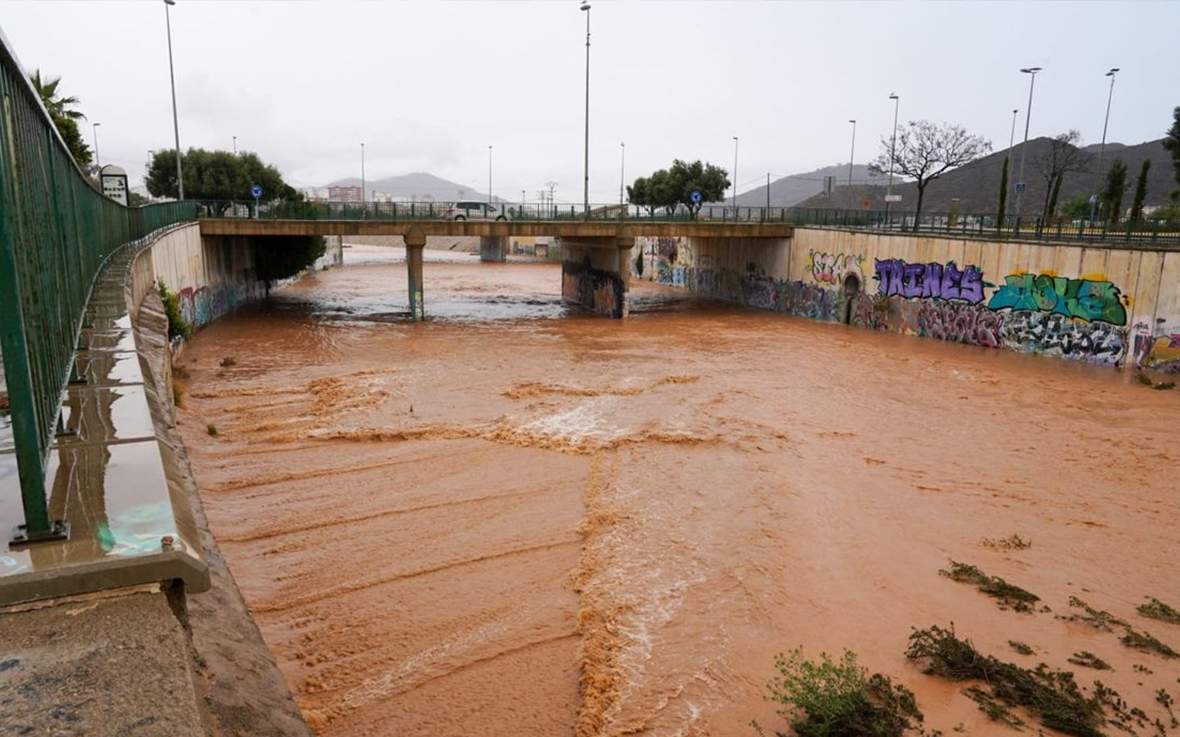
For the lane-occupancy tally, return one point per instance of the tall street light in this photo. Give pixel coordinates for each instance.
(1102, 148)
(489, 175)
(1032, 72)
(851, 156)
(94, 132)
(1012, 134)
(586, 164)
(235, 145)
(362, 175)
(892, 153)
(622, 169)
(735, 149)
(175, 119)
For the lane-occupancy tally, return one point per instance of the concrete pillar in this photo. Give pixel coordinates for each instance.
(415, 242)
(493, 248)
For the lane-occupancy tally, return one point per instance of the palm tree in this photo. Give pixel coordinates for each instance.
(58, 107)
(64, 117)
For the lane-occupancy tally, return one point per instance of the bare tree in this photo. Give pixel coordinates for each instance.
(925, 151)
(1062, 156)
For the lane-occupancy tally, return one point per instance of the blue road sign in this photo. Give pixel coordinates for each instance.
(696, 196)
(1019, 187)
(256, 191)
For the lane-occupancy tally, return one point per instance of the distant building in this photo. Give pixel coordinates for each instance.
(344, 194)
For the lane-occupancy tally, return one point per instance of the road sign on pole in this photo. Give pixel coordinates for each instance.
(696, 196)
(1019, 187)
(256, 192)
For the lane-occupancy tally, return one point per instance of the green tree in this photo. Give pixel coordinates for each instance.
(65, 118)
(925, 151)
(674, 186)
(282, 256)
(1078, 208)
(1001, 210)
(219, 176)
(1140, 191)
(1172, 141)
(1116, 186)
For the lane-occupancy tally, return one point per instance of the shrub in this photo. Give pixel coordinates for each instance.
(178, 327)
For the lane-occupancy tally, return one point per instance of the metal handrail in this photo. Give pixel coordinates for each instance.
(56, 232)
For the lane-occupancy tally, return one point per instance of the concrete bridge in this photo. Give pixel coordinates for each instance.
(595, 253)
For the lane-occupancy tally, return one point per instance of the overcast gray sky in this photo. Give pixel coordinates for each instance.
(428, 86)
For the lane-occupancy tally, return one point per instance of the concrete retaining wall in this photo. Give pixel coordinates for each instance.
(1103, 305)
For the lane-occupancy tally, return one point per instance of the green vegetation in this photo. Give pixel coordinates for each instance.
(1172, 141)
(227, 362)
(1088, 659)
(830, 699)
(1053, 696)
(1156, 609)
(211, 429)
(1012, 542)
(1002, 209)
(994, 586)
(1116, 186)
(279, 257)
(220, 176)
(1145, 641)
(178, 327)
(1096, 618)
(1020, 647)
(669, 188)
(1140, 192)
(65, 118)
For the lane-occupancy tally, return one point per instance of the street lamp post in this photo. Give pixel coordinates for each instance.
(851, 157)
(94, 132)
(489, 175)
(235, 145)
(1012, 133)
(1102, 148)
(175, 119)
(735, 181)
(892, 153)
(622, 169)
(586, 163)
(362, 175)
(1032, 72)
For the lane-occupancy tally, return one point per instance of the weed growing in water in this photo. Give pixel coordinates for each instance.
(1012, 542)
(1096, 618)
(1156, 609)
(840, 699)
(1052, 695)
(1088, 659)
(211, 429)
(1020, 647)
(227, 362)
(994, 586)
(1144, 641)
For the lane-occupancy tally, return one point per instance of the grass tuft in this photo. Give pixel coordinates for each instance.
(1012, 542)
(211, 429)
(1145, 641)
(1087, 659)
(1156, 609)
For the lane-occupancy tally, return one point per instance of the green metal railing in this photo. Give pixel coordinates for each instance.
(56, 232)
(1143, 233)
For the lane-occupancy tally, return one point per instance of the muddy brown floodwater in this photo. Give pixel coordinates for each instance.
(516, 519)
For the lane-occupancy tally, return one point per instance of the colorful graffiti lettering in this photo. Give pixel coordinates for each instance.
(831, 268)
(929, 281)
(960, 323)
(1054, 334)
(1094, 301)
(1164, 354)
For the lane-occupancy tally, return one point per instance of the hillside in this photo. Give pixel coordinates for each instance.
(976, 185)
(418, 185)
(789, 191)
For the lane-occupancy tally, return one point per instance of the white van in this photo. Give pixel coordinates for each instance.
(475, 211)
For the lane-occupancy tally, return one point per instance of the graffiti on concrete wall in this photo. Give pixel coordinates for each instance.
(597, 289)
(1054, 334)
(1086, 299)
(1162, 353)
(203, 305)
(929, 281)
(832, 268)
(959, 323)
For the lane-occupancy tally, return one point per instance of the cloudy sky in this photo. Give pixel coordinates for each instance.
(429, 86)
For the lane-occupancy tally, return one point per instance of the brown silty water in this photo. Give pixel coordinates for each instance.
(518, 519)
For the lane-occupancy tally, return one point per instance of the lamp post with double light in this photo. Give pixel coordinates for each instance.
(94, 132)
(892, 154)
(1102, 148)
(1032, 72)
(586, 162)
(851, 157)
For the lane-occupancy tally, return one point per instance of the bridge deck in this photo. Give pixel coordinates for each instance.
(562, 228)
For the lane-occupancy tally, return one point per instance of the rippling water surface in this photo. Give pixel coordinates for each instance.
(518, 519)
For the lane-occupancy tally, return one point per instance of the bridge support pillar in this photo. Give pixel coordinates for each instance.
(415, 242)
(492, 248)
(596, 273)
